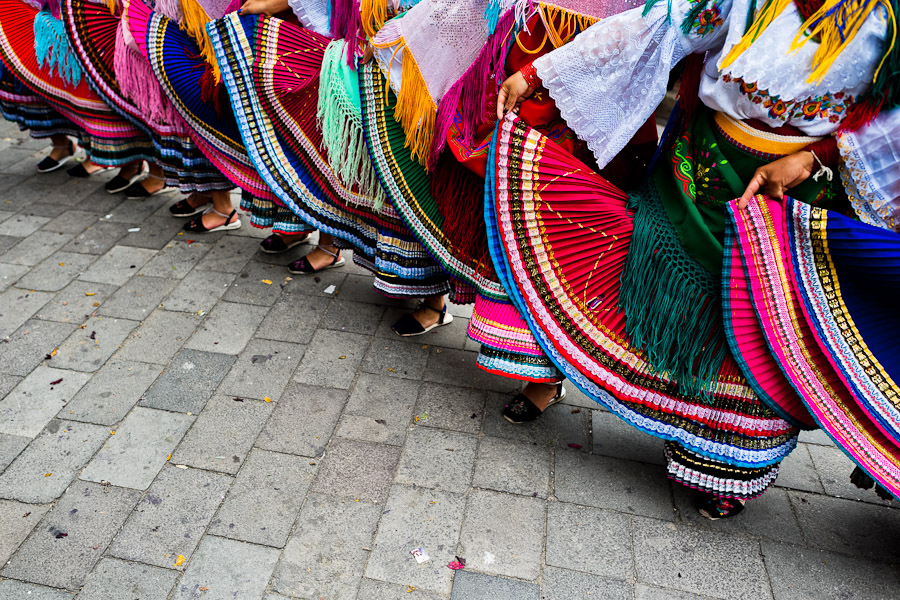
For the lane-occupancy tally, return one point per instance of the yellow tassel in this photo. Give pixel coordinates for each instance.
(193, 21)
(831, 43)
(569, 23)
(112, 5)
(763, 19)
(373, 14)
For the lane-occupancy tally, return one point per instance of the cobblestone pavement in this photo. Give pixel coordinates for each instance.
(180, 419)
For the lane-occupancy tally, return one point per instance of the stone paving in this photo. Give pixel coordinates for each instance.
(180, 419)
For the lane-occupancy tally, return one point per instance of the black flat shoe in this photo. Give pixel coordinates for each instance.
(715, 508)
(183, 208)
(51, 164)
(79, 172)
(136, 191)
(522, 410)
(274, 244)
(120, 184)
(408, 326)
(304, 267)
(197, 226)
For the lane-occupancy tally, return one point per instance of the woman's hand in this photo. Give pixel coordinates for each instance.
(265, 7)
(777, 177)
(368, 52)
(515, 89)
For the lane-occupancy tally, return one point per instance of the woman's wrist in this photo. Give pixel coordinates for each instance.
(531, 76)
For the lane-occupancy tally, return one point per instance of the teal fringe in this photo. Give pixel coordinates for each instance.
(51, 46)
(651, 3)
(492, 15)
(671, 303)
(340, 121)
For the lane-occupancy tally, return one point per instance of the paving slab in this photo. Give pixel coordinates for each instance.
(627, 486)
(451, 366)
(36, 399)
(224, 569)
(43, 471)
(332, 359)
(369, 589)
(614, 437)
(113, 578)
(361, 288)
(97, 238)
(396, 358)
(10, 447)
(89, 515)
(57, 271)
(140, 447)
(357, 470)
(72, 221)
(265, 499)
(803, 574)
(229, 254)
(10, 274)
(176, 259)
(696, 561)
(379, 409)
(417, 518)
(30, 344)
(18, 306)
(356, 317)
(137, 298)
(588, 539)
(303, 420)
(503, 534)
(111, 392)
(451, 407)
(326, 555)
(798, 472)
(118, 265)
(834, 469)
(437, 459)
(478, 586)
(171, 517)
(848, 527)
(188, 382)
(562, 584)
(223, 434)
(227, 328)
(649, 592)
(507, 466)
(317, 284)
(558, 428)
(156, 232)
(22, 225)
(36, 247)
(293, 318)
(76, 302)
(17, 520)
(20, 589)
(250, 286)
(137, 211)
(89, 348)
(159, 337)
(198, 292)
(263, 369)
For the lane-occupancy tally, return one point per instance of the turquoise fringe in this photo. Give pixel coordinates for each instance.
(339, 116)
(52, 49)
(671, 303)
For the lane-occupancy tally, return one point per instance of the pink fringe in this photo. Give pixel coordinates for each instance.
(167, 8)
(233, 6)
(470, 91)
(347, 25)
(138, 83)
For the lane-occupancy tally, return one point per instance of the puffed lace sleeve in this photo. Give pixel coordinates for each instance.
(313, 14)
(870, 169)
(610, 78)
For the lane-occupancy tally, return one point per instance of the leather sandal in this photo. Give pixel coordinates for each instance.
(136, 191)
(120, 184)
(408, 326)
(522, 410)
(51, 164)
(183, 208)
(275, 244)
(304, 267)
(197, 226)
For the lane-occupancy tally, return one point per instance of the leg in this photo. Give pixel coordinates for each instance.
(430, 314)
(532, 401)
(323, 256)
(62, 151)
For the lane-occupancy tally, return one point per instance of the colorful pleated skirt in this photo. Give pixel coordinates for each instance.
(110, 66)
(27, 110)
(271, 70)
(560, 239)
(56, 76)
(812, 307)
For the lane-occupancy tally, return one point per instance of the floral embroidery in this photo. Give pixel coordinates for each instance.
(710, 187)
(827, 106)
(708, 19)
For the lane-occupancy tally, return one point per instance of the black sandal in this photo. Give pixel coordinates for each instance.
(183, 208)
(274, 244)
(136, 191)
(304, 267)
(408, 326)
(120, 184)
(523, 410)
(715, 508)
(51, 164)
(197, 226)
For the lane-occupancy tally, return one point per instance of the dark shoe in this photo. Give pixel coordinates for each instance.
(79, 172)
(523, 410)
(197, 226)
(183, 208)
(120, 184)
(136, 191)
(303, 266)
(51, 164)
(275, 245)
(408, 326)
(715, 508)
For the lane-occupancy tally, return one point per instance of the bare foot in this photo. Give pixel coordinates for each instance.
(427, 318)
(60, 152)
(540, 394)
(90, 167)
(212, 219)
(153, 184)
(319, 258)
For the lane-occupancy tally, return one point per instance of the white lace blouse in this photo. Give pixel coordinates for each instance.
(312, 14)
